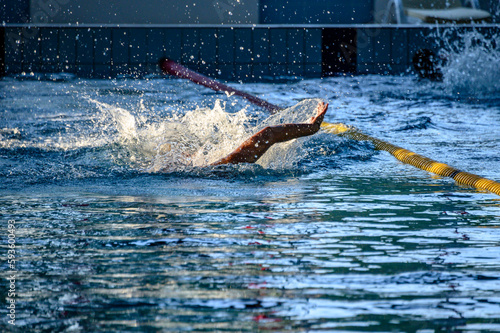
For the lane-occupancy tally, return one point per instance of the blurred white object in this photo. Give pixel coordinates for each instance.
(429, 11)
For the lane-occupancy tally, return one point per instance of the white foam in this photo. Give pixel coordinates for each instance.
(124, 121)
(473, 66)
(205, 135)
(139, 140)
(202, 136)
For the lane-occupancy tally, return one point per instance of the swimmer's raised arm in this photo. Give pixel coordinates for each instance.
(254, 147)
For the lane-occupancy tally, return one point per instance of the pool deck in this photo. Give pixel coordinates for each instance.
(234, 53)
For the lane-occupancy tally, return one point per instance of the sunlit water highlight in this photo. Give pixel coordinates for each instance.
(120, 227)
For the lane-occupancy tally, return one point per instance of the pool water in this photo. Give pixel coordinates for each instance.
(121, 227)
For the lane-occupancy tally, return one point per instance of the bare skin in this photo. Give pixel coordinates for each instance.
(254, 147)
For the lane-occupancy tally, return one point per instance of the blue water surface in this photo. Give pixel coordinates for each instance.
(327, 235)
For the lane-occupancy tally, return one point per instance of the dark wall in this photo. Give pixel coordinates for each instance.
(2, 51)
(316, 11)
(339, 48)
(14, 11)
(145, 11)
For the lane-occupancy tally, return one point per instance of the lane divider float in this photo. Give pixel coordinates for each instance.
(406, 156)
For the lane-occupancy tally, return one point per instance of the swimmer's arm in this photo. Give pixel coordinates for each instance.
(254, 147)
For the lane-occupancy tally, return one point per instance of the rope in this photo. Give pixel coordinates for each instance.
(414, 159)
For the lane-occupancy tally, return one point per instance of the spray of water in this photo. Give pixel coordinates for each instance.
(195, 138)
(135, 138)
(473, 64)
(199, 137)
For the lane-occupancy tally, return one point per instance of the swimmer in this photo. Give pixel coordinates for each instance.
(254, 147)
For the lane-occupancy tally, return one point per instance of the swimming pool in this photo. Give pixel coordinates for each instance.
(113, 233)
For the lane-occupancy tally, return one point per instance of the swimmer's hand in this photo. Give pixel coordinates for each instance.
(255, 146)
(320, 115)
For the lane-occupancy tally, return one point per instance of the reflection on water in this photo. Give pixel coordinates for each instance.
(343, 238)
(287, 254)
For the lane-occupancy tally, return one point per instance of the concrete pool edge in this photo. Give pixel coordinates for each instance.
(237, 52)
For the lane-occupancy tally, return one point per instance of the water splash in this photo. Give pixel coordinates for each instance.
(199, 137)
(196, 138)
(135, 138)
(286, 155)
(125, 122)
(473, 64)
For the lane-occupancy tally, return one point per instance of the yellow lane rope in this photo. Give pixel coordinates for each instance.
(414, 159)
